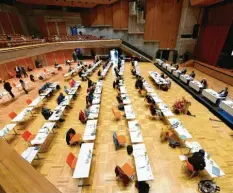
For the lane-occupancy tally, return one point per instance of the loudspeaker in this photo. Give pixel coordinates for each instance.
(195, 30)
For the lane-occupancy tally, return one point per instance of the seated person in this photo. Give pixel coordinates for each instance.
(142, 92)
(99, 73)
(60, 98)
(38, 65)
(192, 74)
(152, 109)
(149, 99)
(70, 69)
(89, 83)
(197, 160)
(32, 78)
(86, 111)
(183, 71)
(47, 113)
(72, 82)
(82, 117)
(119, 98)
(139, 83)
(162, 75)
(224, 92)
(68, 62)
(177, 66)
(133, 72)
(204, 83)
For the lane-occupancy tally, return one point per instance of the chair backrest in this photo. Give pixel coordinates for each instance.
(12, 115)
(69, 159)
(28, 101)
(190, 166)
(115, 141)
(26, 135)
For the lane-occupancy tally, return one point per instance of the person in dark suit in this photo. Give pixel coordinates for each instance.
(204, 83)
(224, 92)
(60, 98)
(192, 74)
(198, 160)
(184, 71)
(23, 71)
(8, 88)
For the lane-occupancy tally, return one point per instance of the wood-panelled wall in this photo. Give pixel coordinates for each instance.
(162, 21)
(17, 175)
(115, 15)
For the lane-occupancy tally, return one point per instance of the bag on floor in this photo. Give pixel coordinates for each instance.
(58, 87)
(129, 149)
(142, 187)
(41, 78)
(121, 107)
(82, 117)
(207, 186)
(173, 143)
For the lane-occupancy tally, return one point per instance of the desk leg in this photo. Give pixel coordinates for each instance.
(81, 183)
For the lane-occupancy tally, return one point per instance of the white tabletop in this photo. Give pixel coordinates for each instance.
(93, 111)
(227, 106)
(126, 99)
(90, 131)
(96, 99)
(176, 73)
(160, 62)
(77, 83)
(24, 113)
(40, 138)
(123, 90)
(170, 68)
(142, 163)
(47, 127)
(36, 101)
(57, 114)
(193, 146)
(165, 110)
(156, 98)
(104, 72)
(135, 132)
(5, 130)
(98, 89)
(46, 92)
(66, 101)
(185, 78)
(212, 95)
(83, 164)
(72, 91)
(179, 128)
(129, 112)
(156, 77)
(30, 153)
(196, 85)
(53, 85)
(147, 87)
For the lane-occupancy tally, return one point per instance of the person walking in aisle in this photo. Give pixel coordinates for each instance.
(23, 85)
(23, 71)
(8, 88)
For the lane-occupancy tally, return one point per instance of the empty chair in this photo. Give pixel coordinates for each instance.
(28, 101)
(118, 140)
(28, 136)
(125, 173)
(12, 115)
(71, 160)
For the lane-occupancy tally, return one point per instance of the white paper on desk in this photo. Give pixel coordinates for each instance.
(142, 161)
(182, 157)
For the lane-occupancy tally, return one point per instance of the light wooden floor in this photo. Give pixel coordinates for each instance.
(170, 176)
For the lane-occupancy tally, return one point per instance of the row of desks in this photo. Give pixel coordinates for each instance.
(83, 165)
(143, 167)
(211, 95)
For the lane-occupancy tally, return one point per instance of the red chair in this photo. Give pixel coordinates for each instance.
(28, 101)
(191, 169)
(28, 136)
(71, 160)
(12, 115)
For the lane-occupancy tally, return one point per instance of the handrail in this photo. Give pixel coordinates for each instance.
(137, 50)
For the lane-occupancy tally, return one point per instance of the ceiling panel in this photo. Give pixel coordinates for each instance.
(69, 3)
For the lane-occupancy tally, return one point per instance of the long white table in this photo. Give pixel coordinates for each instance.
(36, 101)
(135, 132)
(196, 85)
(96, 99)
(30, 154)
(165, 65)
(185, 78)
(5, 130)
(227, 106)
(211, 167)
(178, 127)
(94, 111)
(176, 73)
(211, 95)
(98, 87)
(22, 115)
(158, 80)
(48, 127)
(66, 101)
(54, 85)
(90, 131)
(83, 164)
(156, 98)
(4, 93)
(104, 72)
(129, 112)
(147, 87)
(171, 69)
(90, 70)
(165, 109)
(46, 92)
(159, 62)
(142, 163)
(57, 114)
(126, 99)
(123, 90)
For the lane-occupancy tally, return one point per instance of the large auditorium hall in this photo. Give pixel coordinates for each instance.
(111, 96)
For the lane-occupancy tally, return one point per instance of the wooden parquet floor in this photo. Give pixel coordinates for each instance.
(170, 176)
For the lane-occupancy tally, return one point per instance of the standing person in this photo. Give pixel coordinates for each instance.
(8, 88)
(18, 73)
(24, 72)
(23, 85)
